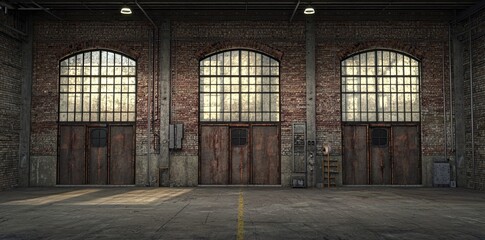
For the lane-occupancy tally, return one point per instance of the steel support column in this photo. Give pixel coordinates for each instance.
(459, 113)
(24, 148)
(310, 99)
(164, 96)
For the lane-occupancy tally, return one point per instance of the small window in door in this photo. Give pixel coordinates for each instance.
(239, 136)
(98, 137)
(379, 137)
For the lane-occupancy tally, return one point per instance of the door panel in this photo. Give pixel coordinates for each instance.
(239, 156)
(355, 155)
(84, 158)
(406, 152)
(72, 161)
(97, 156)
(265, 153)
(214, 158)
(379, 156)
(121, 155)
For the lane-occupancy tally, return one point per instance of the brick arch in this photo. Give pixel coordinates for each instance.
(394, 45)
(251, 45)
(73, 49)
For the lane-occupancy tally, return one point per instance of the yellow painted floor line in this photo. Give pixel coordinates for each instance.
(240, 217)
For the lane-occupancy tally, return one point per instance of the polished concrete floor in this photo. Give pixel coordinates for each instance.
(242, 213)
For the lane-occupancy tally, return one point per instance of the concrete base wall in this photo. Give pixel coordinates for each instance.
(43, 171)
(286, 170)
(141, 173)
(184, 171)
(427, 170)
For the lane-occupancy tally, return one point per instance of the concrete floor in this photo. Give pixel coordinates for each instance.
(242, 213)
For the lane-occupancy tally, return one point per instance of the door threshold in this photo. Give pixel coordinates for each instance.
(235, 185)
(401, 186)
(97, 186)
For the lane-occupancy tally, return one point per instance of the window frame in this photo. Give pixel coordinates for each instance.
(382, 115)
(131, 113)
(258, 115)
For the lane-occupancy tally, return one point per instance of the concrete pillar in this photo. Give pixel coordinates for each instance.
(165, 72)
(24, 145)
(310, 99)
(458, 50)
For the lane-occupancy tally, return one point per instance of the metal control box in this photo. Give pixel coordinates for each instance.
(176, 136)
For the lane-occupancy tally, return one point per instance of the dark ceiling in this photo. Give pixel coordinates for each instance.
(29, 5)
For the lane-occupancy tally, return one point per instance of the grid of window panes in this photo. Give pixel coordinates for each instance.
(97, 86)
(380, 86)
(239, 86)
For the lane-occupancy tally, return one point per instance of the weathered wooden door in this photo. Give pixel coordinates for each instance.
(122, 164)
(406, 150)
(265, 155)
(394, 154)
(380, 159)
(97, 156)
(355, 167)
(72, 162)
(214, 155)
(239, 154)
(240, 167)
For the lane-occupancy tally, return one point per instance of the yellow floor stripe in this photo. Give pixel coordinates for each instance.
(240, 217)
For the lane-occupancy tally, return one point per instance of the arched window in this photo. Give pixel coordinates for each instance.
(239, 86)
(380, 86)
(97, 86)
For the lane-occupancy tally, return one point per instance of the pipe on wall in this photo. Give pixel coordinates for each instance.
(149, 115)
(445, 128)
(151, 50)
(472, 123)
(452, 143)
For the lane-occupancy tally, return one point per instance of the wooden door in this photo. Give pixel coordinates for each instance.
(214, 155)
(240, 169)
(265, 155)
(72, 162)
(122, 152)
(380, 161)
(97, 156)
(355, 167)
(406, 151)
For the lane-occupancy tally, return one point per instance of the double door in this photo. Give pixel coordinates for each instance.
(96, 154)
(239, 155)
(381, 154)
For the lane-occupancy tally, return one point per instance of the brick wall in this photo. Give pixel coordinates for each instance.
(474, 168)
(194, 36)
(54, 40)
(10, 99)
(190, 37)
(426, 40)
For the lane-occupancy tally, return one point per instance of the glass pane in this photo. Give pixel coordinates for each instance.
(86, 102)
(131, 102)
(95, 58)
(232, 105)
(131, 117)
(63, 103)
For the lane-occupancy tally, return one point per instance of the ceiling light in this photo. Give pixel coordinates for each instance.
(309, 10)
(126, 10)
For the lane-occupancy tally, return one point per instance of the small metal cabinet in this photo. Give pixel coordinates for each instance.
(176, 136)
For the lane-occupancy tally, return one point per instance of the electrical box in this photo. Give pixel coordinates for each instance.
(299, 148)
(176, 136)
(441, 174)
(298, 181)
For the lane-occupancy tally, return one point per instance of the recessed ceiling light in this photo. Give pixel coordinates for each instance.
(126, 10)
(309, 10)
